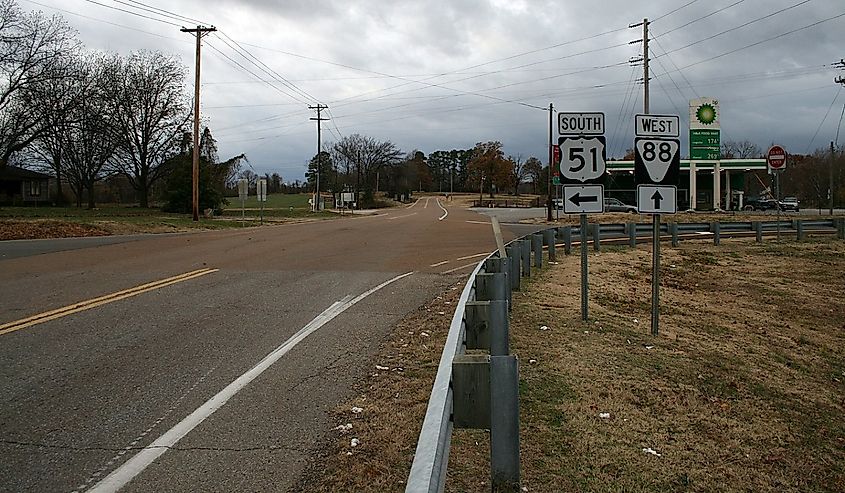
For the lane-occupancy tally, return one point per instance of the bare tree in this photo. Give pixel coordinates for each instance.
(733, 149)
(366, 156)
(85, 137)
(518, 171)
(32, 46)
(534, 170)
(151, 118)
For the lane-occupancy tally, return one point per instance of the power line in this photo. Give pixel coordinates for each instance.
(133, 13)
(823, 120)
(171, 14)
(700, 18)
(763, 41)
(739, 27)
(181, 40)
(667, 14)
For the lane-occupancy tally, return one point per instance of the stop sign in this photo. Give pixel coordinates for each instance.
(776, 158)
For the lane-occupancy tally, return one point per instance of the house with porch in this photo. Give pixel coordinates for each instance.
(19, 186)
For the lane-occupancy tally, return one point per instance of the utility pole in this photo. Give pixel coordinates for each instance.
(199, 32)
(319, 119)
(645, 67)
(551, 164)
(838, 80)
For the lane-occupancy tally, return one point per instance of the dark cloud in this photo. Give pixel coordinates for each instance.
(775, 91)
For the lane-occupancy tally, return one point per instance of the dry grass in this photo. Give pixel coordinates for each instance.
(742, 391)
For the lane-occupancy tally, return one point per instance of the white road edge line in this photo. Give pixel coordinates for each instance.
(121, 476)
(415, 203)
(459, 268)
(426, 202)
(479, 222)
(400, 217)
(472, 256)
(445, 212)
(438, 264)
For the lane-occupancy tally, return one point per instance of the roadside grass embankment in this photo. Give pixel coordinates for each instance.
(741, 391)
(111, 219)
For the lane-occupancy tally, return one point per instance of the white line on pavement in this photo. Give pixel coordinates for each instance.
(438, 264)
(400, 217)
(459, 268)
(445, 212)
(140, 461)
(472, 256)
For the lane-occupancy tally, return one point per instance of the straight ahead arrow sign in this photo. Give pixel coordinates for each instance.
(657, 198)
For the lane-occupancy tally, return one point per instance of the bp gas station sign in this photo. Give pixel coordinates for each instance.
(704, 131)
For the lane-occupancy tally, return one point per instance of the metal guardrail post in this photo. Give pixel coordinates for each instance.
(673, 227)
(716, 229)
(842, 229)
(537, 246)
(597, 237)
(504, 423)
(567, 239)
(799, 229)
(758, 229)
(632, 234)
(549, 240)
(526, 257)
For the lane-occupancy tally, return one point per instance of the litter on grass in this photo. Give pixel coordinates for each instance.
(651, 451)
(357, 410)
(604, 415)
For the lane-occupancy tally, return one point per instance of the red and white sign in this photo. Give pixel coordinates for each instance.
(776, 158)
(556, 153)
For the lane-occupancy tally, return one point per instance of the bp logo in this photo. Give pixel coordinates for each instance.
(706, 114)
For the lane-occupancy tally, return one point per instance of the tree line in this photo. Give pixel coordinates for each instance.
(85, 115)
(365, 165)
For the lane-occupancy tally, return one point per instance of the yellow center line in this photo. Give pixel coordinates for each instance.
(100, 300)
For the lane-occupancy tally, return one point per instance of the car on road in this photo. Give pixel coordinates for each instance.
(789, 204)
(760, 204)
(616, 205)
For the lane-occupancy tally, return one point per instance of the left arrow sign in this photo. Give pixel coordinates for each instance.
(578, 199)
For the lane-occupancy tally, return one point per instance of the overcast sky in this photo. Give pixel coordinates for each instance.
(438, 75)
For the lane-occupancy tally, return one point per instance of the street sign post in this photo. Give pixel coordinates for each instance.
(776, 161)
(583, 164)
(657, 165)
(261, 192)
(243, 191)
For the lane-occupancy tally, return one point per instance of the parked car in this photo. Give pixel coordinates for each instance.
(616, 205)
(789, 204)
(761, 204)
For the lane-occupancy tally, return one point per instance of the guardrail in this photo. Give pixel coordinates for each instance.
(428, 471)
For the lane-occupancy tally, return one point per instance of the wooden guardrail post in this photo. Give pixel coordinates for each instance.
(632, 234)
(526, 257)
(549, 239)
(566, 232)
(758, 229)
(673, 227)
(537, 246)
(799, 229)
(597, 237)
(716, 229)
(504, 424)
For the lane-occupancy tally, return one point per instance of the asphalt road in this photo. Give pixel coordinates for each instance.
(219, 371)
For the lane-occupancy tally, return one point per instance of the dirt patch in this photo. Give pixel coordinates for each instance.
(20, 230)
(742, 391)
(386, 417)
